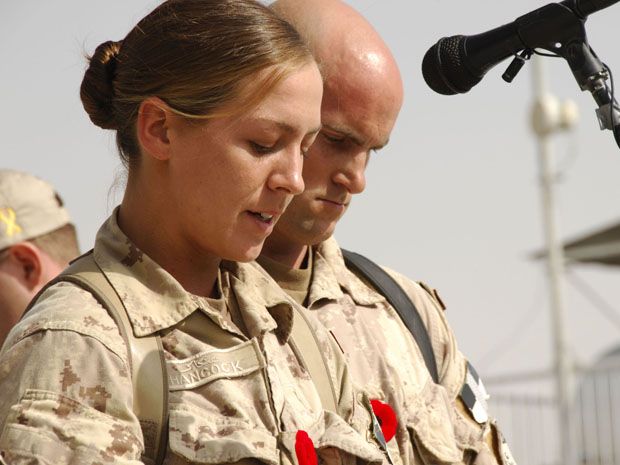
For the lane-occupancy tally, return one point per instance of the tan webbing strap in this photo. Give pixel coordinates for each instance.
(307, 346)
(145, 356)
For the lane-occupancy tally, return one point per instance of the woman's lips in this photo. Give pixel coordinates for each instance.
(265, 220)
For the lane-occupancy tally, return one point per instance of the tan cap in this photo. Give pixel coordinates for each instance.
(29, 207)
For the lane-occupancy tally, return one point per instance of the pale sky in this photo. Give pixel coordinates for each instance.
(453, 200)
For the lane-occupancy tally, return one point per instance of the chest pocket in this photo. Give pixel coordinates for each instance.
(219, 407)
(431, 426)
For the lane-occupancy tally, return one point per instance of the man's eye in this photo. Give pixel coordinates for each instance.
(334, 138)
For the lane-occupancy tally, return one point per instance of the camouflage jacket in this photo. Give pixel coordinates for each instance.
(234, 396)
(385, 360)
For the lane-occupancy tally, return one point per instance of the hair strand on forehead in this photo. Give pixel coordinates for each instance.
(249, 93)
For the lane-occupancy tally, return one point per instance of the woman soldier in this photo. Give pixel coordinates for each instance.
(214, 103)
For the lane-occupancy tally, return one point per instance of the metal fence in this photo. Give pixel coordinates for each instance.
(598, 417)
(530, 422)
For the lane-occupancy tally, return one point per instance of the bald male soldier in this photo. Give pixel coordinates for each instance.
(37, 240)
(362, 97)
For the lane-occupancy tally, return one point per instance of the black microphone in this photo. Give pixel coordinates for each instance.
(455, 64)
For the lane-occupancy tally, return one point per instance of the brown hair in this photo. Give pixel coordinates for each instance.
(60, 244)
(199, 56)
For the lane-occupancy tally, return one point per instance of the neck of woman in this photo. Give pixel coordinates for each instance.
(148, 223)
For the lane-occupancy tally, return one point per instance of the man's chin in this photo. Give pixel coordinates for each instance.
(303, 233)
(322, 235)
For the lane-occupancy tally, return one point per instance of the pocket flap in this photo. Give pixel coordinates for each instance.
(332, 434)
(432, 425)
(209, 440)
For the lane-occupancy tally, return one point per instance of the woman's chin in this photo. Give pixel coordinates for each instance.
(248, 253)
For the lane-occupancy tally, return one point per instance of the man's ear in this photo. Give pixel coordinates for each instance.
(27, 264)
(152, 126)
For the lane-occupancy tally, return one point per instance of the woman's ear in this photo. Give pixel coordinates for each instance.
(152, 126)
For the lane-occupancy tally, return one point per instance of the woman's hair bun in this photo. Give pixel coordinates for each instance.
(97, 90)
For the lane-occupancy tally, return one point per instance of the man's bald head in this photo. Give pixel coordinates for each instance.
(346, 45)
(362, 96)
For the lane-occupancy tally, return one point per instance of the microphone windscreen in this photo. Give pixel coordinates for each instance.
(443, 69)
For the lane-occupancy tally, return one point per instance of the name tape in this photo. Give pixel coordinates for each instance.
(208, 366)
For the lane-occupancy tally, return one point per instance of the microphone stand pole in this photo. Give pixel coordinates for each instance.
(555, 261)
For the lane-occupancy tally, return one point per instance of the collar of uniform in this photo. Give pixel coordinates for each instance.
(263, 304)
(216, 308)
(331, 276)
(153, 298)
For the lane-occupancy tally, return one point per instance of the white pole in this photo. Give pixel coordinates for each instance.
(545, 115)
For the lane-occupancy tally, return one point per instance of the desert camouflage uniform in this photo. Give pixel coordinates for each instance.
(384, 358)
(65, 382)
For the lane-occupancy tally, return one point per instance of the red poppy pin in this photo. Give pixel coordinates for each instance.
(304, 448)
(386, 417)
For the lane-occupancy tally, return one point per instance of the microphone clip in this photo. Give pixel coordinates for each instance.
(516, 64)
(607, 112)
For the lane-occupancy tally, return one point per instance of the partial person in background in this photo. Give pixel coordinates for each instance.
(362, 97)
(37, 241)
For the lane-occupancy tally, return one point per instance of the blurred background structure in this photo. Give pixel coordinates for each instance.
(453, 200)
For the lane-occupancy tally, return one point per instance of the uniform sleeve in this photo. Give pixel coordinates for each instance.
(451, 364)
(484, 440)
(66, 386)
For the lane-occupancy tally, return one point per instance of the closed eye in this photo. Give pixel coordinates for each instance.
(262, 149)
(334, 138)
